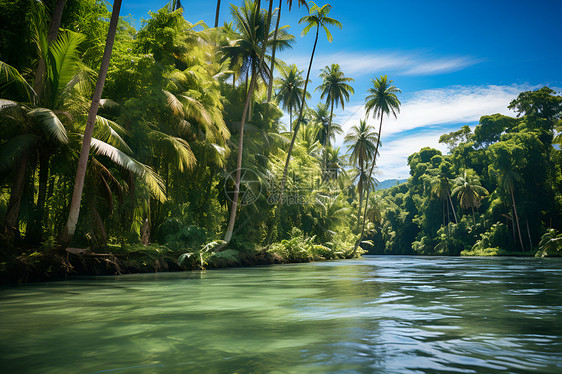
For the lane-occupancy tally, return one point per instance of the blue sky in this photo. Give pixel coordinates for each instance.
(453, 60)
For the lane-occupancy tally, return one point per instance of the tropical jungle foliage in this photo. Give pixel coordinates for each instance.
(498, 191)
(190, 165)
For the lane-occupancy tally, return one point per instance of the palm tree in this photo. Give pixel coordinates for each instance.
(241, 49)
(363, 139)
(291, 92)
(320, 118)
(470, 191)
(74, 210)
(443, 192)
(318, 17)
(381, 100)
(335, 90)
(507, 178)
(290, 3)
(256, 33)
(40, 107)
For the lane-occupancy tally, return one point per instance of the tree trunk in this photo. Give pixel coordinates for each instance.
(270, 87)
(217, 13)
(360, 185)
(232, 219)
(51, 36)
(473, 216)
(234, 207)
(529, 235)
(328, 137)
(297, 125)
(513, 227)
(36, 232)
(11, 229)
(452, 207)
(290, 120)
(70, 228)
(516, 219)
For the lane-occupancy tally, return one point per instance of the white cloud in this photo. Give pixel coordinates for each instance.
(398, 63)
(429, 114)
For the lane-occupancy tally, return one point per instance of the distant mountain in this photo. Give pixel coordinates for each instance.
(389, 183)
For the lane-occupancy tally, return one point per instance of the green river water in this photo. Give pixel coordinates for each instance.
(372, 315)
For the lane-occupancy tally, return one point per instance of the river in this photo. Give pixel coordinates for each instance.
(380, 314)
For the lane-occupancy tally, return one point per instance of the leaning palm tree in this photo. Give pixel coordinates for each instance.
(470, 191)
(335, 90)
(381, 100)
(74, 210)
(291, 92)
(318, 17)
(256, 34)
(362, 139)
(275, 33)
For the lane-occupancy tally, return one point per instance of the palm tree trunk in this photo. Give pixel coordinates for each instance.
(297, 125)
(51, 36)
(217, 13)
(516, 219)
(249, 96)
(70, 228)
(35, 232)
(473, 216)
(360, 185)
(368, 189)
(290, 119)
(513, 227)
(328, 137)
(270, 87)
(234, 207)
(452, 207)
(529, 235)
(11, 229)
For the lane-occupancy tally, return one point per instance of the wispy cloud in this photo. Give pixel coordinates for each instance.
(427, 115)
(396, 63)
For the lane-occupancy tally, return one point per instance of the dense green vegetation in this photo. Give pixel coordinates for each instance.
(190, 166)
(184, 112)
(498, 191)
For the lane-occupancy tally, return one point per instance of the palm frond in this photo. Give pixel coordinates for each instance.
(51, 124)
(153, 181)
(108, 131)
(10, 77)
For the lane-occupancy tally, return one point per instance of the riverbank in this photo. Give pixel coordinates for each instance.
(35, 265)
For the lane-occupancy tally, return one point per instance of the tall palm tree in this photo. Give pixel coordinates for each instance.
(240, 47)
(248, 22)
(74, 210)
(290, 3)
(470, 191)
(443, 191)
(318, 17)
(507, 178)
(335, 90)
(291, 92)
(381, 100)
(363, 139)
